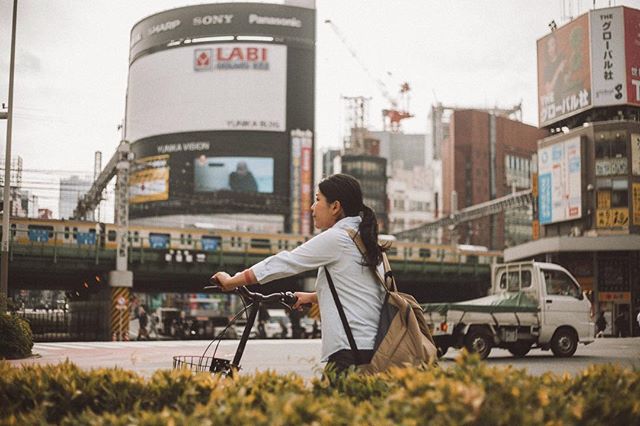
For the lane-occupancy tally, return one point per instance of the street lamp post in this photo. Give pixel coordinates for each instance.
(6, 213)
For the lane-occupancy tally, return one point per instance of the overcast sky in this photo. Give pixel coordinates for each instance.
(72, 64)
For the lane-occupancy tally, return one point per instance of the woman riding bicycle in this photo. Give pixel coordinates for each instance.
(338, 208)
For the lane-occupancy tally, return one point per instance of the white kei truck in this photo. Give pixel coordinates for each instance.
(530, 304)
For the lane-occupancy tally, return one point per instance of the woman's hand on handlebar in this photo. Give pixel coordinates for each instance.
(304, 299)
(224, 280)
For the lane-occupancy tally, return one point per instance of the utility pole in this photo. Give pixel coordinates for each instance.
(4, 263)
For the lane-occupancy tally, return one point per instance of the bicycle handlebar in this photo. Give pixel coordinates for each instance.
(288, 298)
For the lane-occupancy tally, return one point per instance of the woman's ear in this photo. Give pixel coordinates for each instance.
(336, 209)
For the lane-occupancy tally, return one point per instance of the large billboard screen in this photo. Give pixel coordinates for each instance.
(564, 81)
(559, 182)
(240, 174)
(173, 91)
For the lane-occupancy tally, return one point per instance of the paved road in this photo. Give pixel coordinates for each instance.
(302, 356)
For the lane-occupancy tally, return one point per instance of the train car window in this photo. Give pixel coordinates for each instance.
(260, 243)
(408, 251)
(40, 233)
(181, 238)
(210, 243)
(75, 233)
(393, 251)
(88, 238)
(425, 253)
(136, 236)
(233, 241)
(66, 232)
(13, 230)
(472, 259)
(111, 235)
(189, 239)
(159, 241)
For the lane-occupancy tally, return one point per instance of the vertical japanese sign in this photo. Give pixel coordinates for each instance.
(296, 147)
(564, 80)
(635, 154)
(301, 181)
(306, 182)
(632, 48)
(560, 182)
(607, 56)
(635, 198)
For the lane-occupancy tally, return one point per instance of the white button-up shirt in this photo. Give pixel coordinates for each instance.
(359, 291)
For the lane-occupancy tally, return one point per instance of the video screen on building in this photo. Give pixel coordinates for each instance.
(149, 179)
(238, 174)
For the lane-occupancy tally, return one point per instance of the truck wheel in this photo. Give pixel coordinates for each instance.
(519, 349)
(564, 343)
(479, 342)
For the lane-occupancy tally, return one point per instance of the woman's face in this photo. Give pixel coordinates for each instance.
(325, 214)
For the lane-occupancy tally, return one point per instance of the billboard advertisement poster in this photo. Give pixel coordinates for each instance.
(237, 174)
(564, 80)
(560, 182)
(608, 56)
(172, 91)
(612, 218)
(632, 46)
(149, 180)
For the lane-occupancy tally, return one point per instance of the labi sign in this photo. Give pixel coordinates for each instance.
(231, 58)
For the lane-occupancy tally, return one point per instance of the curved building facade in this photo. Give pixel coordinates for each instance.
(220, 116)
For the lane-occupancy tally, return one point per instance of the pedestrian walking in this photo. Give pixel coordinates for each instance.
(601, 324)
(143, 320)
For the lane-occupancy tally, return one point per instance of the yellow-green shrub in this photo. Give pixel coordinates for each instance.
(16, 339)
(470, 392)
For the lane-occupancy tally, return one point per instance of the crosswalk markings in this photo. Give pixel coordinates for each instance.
(61, 346)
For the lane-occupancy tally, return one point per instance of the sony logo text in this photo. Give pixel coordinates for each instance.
(212, 20)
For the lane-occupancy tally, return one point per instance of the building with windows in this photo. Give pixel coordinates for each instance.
(485, 157)
(71, 190)
(371, 173)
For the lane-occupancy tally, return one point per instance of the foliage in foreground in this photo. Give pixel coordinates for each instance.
(471, 392)
(16, 339)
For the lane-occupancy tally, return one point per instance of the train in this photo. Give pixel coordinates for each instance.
(75, 233)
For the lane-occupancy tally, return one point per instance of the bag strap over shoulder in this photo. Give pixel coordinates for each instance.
(357, 239)
(343, 318)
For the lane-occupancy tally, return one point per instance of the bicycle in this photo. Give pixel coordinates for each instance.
(252, 302)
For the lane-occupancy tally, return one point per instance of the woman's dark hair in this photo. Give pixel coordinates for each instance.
(346, 189)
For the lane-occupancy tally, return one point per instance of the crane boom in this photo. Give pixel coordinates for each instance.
(381, 85)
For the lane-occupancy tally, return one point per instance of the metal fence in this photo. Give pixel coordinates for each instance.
(83, 321)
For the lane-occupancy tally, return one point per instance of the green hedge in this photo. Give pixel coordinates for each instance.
(16, 339)
(470, 392)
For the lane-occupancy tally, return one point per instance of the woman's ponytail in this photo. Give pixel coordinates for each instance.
(368, 231)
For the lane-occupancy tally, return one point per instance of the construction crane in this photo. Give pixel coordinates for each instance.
(399, 109)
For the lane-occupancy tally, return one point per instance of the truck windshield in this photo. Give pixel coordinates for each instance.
(559, 284)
